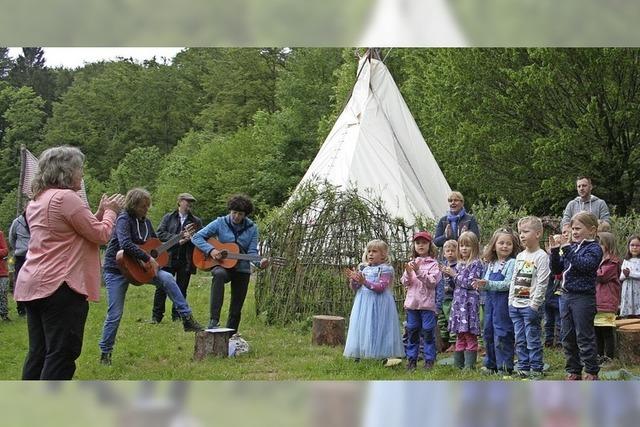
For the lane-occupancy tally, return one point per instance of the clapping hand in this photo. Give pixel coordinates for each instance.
(447, 231)
(115, 202)
(410, 266)
(479, 284)
(446, 270)
(354, 275)
(555, 241)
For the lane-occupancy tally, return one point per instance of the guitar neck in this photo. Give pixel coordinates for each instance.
(168, 244)
(244, 257)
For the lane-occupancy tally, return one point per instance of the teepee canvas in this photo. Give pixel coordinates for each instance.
(376, 147)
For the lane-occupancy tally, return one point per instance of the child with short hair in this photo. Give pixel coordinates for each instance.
(421, 277)
(465, 317)
(552, 301)
(630, 277)
(450, 259)
(608, 291)
(579, 263)
(526, 296)
(498, 333)
(603, 226)
(374, 326)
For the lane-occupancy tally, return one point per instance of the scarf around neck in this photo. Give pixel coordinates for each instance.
(453, 220)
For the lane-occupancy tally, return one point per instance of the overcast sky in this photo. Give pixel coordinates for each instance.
(72, 57)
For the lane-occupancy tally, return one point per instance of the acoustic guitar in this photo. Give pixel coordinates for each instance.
(138, 272)
(230, 256)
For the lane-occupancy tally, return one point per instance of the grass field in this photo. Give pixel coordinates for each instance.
(164, 352)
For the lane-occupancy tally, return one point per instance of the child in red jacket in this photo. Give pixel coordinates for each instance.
(608, 290)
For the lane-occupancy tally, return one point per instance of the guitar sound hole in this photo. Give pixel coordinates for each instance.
(224, 254)
(154, 253)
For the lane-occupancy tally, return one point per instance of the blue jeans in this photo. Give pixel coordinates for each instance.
(498, 332)
(578, 333)
(552, 320)
(526, 323)
(117, 286)
(421, 323)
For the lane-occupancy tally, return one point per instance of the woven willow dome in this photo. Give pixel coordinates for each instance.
(321, 232)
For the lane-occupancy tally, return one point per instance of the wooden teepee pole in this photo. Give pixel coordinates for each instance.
(20, 200)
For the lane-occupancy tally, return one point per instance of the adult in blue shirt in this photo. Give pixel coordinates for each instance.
(234, 227)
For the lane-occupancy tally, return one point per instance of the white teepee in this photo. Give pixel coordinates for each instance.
(376, 146)
(426, 23)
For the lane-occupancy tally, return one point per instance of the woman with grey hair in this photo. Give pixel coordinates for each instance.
(62, 268)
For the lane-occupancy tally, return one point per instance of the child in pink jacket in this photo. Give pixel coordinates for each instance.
(421, 277)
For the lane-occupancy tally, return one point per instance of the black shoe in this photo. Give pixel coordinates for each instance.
(411, 365)
(190, 324)
(175, 318)
(155, 321)
(105, 359)
(5, 318)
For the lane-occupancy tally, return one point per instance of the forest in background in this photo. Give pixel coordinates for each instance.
(513, 124)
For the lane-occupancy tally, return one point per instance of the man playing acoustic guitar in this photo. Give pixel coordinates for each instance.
(180, 264)
(232, 228)
(133, 229)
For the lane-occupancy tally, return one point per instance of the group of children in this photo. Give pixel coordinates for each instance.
(578, 282)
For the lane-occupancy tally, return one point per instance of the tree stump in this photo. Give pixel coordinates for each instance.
(624, 322)
(629, 344)
(212, 342)
(328, 330)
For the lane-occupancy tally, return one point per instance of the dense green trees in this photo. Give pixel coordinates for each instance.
(522, 124)
(516, 124)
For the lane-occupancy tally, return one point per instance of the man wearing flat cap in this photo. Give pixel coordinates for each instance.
(180, 264)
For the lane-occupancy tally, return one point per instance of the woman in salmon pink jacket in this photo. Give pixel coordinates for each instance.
(62, 268)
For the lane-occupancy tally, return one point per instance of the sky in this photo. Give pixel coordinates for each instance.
(73, 57)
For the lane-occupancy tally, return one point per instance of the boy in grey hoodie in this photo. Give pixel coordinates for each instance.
(586, 202)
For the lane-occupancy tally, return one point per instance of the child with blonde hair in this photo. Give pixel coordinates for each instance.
(449, 259)
(552, 300)
(465, 308)
(607, 298)
(630, 277)
(374, 327)
(421, 276)
(526, 297)
(498, 333)
(579, 263)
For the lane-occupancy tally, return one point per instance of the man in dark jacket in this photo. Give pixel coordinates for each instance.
(180, 264)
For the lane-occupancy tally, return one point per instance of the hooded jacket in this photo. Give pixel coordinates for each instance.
(608, 287)
(579, 265)
(421, 285)
(594, 205)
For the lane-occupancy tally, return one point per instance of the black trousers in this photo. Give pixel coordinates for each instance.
(578, 333)
(20, 259)
(160, 297)
(606, 341)
(56, 330)
(239, 287)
